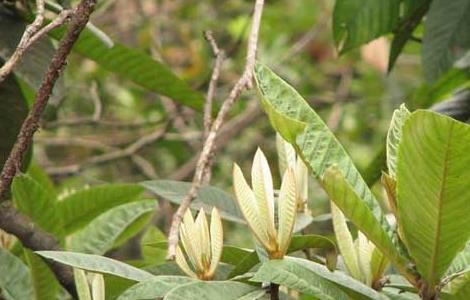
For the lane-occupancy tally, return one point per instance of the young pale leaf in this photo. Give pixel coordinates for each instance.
(432, 191)
(247, 202)
(344, 196)
(99, 236)
(215, 290)
(217, 239)
(81, 282)
(298, 123)
(97, 264)
(364, 255)
(190, 239)
(262, 183)
(286, 154)
(202, 229)
(154, 288)
(393, 137)
(15, 278)
(181, 262)
(287, 210)
(97, 287)
(345, 242)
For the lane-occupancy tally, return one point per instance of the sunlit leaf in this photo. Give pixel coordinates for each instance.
(153, 288)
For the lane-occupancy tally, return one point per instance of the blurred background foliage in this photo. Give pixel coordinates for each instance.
(354, 93)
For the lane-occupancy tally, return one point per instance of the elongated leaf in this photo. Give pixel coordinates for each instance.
(393, 138)
(207, 197)
(344, 196)
(345, 242)
(214, 290)
(445, 36)
(97, 264)
(298, 124)
(156, 287)
(287, 208)
(136, 66)
(79, 208)
(35, 201)
(45, 283)
(100, 235)
(97, 287)
(81, 282)
(13, 110)
(313, 279)
(356, 22)
(15, 278)
(432, 190)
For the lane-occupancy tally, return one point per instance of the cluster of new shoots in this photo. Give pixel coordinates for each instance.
(201, 246)
(257, 204)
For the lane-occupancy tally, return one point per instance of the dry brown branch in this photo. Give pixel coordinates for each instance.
(33, 32)
(243, 83)
(111, 154)
(10, 220)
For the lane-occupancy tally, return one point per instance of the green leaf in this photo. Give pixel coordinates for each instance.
(136, 66)
(432, 191)
(445, 36)
(40, 176)
(207, 197)
(394, 136)
(458, 288)
(298, 123)
(82, 206)
(356, 22)
(215, 290)
(15, 278)
(248, 259)
(81, 283)
(156, 287)
(13, 110)
(314, 279)
(153, 255)
(100, 235)
(344, 196)
(97, 264)
(45, 283)
(36, 202)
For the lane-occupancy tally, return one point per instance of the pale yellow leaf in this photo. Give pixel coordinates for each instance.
(262, 183)
(301, 180)
(204, 238)
(97, 287)
(81, 283)
(182, 264)
(345, 242)
(286, 154)
(364, 254)
(217, 239)
(190, 241)
(287, 209)
(247, 203)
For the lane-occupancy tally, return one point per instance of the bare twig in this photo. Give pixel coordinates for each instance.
(219, 59)
(10, 220)
(112, 154)
(32, 33)
(244, 82)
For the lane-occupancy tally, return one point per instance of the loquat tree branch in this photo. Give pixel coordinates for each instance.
(244, 82)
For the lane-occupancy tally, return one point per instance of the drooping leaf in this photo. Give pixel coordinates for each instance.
(445, 36)
(97, 264)
(153, 288)
(82, 206)
(344, 196)
(136, 66)
(45, 283)
(215, 290)
(207, 197)
(356, 22)
(297, 122)
(36, 202)
(13, 110)
(314, 279)
(432, 190)
(393, 137)
(100, 235)
(15, 278)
